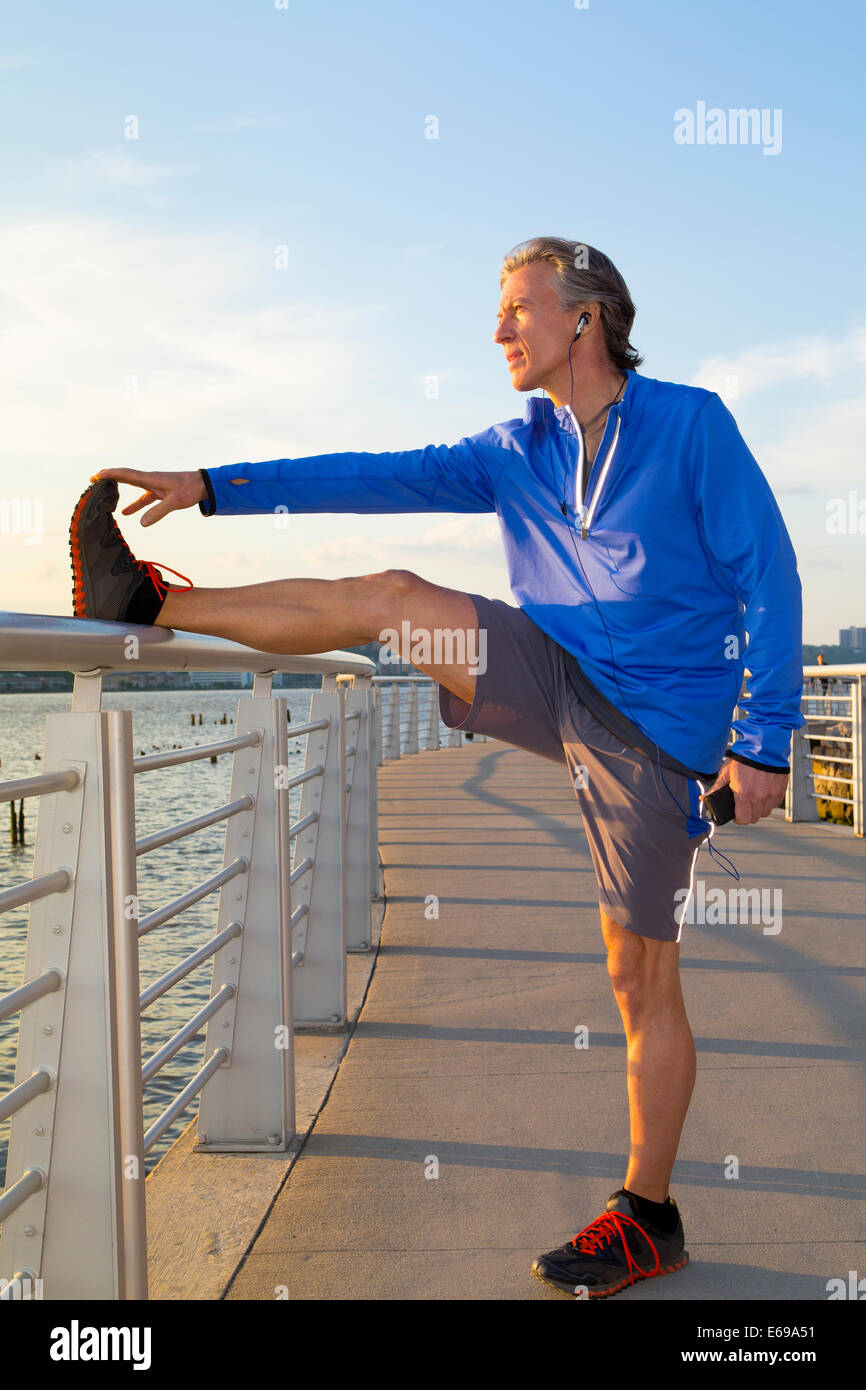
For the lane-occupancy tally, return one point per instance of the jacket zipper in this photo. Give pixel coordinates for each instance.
(585, 513)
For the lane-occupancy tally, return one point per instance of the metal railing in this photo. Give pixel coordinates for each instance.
(834, 707)
(293, 900)
(828, 756)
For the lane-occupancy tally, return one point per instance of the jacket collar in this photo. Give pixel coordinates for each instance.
(542, 407)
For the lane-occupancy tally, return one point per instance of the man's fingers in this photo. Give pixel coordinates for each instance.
(750, 812)
(137, 505)
(156, 513)
(122, 475)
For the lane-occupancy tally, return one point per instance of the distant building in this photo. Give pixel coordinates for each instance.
(215, 680)
(854, 637)
(146, 680)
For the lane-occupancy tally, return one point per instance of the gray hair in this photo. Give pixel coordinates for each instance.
(584, 276)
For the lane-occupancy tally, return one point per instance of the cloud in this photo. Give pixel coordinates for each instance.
(367, 554)
(821, 452)
(119, 346)
(761, 368)
(814, 444)
(115, 344)
(468, 536)
(112, 169)
(465, 533)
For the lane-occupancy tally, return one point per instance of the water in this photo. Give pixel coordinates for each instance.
(161, 720)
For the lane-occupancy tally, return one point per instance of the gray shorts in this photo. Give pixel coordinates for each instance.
(643, 844)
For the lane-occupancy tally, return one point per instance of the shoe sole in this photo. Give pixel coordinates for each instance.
(79, 603)
(607, 1291)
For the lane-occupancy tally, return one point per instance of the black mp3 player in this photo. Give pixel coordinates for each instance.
(720, 805)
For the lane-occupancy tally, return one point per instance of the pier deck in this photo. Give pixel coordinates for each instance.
(463, 1056)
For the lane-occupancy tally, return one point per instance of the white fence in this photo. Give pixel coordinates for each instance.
(73, 1210)
(834, 705)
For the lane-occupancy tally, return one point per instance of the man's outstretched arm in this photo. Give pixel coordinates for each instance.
(448, 478)
(439, 477)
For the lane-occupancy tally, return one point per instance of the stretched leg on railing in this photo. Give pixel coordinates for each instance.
(301, 616)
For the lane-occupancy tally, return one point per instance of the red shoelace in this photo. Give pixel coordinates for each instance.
(156, 579)
(603, 1230)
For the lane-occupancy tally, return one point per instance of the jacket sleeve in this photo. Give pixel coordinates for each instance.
(439, 477)
(745, 534)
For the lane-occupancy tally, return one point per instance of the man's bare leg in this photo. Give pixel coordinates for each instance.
(661, 1055)
(300, 616)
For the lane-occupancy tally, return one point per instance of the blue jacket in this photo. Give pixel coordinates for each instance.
(682, 552)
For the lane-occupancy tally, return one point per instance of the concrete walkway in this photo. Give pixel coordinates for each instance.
(463, 1057)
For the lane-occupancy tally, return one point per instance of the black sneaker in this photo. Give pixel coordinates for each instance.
(109, 583)
(615, 1250)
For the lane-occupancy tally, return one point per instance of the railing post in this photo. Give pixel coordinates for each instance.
(374, 728)
(858, 750)
(83, 1230)
(320, 935)
(380, 737)
(431, 734)
(800, 805)
(358, 805)
(412, 719)
(247, 1105)
(393, 740)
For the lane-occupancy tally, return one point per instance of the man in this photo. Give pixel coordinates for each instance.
(643, 542)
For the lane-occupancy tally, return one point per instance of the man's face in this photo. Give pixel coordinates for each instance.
(534, 330)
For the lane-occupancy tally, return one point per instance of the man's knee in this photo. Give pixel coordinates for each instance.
(401, 585)
(638, 966)
(442, 625)
(626, 968)
(387, 597)
(394, 586)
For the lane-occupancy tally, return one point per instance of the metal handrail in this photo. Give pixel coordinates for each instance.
(180, 1103)
(177, 832)
(31, 1180)
(308, 776)
(34, 888)
(183, 1035)
(18, 999)
(194, 895)
(310, 728)
(302, 824)
(44, 642)
(40, 785)
(188, 964)
(825, 711)
(40, 1081)
(301, 869)
(151, 761)
(90, 651)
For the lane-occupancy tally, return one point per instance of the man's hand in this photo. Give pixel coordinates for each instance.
(170, 491)
(756, 793)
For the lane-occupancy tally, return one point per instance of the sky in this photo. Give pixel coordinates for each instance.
(228, 235)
